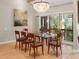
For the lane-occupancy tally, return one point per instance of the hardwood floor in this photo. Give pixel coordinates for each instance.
(8, 51)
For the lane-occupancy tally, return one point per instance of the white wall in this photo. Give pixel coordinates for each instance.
(6, 18)
(76, 11)
(75, 26)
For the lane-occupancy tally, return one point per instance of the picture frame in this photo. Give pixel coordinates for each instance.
(20, 17)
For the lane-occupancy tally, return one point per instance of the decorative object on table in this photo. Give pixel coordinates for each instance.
(20, 17)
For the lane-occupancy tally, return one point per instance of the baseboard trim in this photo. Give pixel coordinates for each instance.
(7, 42)
(67, 43)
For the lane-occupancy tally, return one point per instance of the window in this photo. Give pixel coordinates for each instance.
(62, 21)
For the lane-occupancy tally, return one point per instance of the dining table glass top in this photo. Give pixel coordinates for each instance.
(45, 35)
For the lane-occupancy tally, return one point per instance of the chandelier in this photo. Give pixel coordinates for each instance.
(41, 6)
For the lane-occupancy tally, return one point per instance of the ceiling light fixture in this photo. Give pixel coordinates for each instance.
(41, 6)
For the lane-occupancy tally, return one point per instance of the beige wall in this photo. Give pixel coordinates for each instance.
(6, 18)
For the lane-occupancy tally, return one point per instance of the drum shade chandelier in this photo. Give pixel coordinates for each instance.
(41, 6)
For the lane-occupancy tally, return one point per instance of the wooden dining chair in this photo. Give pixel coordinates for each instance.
(35, 44)
(27, 39)
(40, 31)
(23, 37)
(18, 39)
(56, 43)
(47, 31)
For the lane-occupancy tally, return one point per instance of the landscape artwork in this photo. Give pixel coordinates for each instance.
(20, 17)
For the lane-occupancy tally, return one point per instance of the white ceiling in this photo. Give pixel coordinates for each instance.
(51, 2)
(58, 2)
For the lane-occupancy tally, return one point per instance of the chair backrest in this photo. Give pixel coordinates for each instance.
(23, 34)
(17, 34)
(47, 30)
(41, 30)
(44, 30)
(59, 36)
(26, 30)
(31, 36)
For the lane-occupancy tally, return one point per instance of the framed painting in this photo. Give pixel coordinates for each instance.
(20, 17)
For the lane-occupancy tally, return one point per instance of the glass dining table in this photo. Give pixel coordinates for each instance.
(43, 36)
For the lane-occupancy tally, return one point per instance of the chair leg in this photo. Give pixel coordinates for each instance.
(39, 39)
(43, 50)
(61, 49)
(16, 44)
(48, 48)
(42, 40)
(37, 50)
(46, 41)
(25, 47)
(56, 51)
(29, 50)
(19, 44)
(34, 52)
